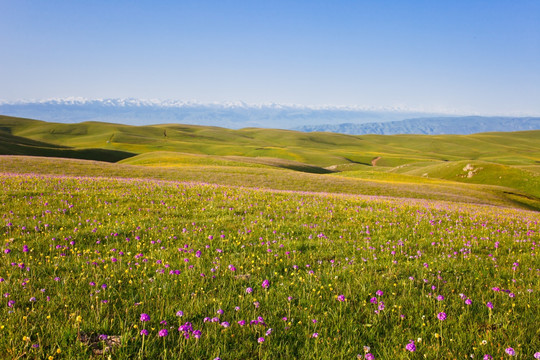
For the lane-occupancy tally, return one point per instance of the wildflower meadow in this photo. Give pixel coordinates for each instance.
(144, 269)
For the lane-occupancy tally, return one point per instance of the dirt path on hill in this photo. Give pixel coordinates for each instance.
(374, 161)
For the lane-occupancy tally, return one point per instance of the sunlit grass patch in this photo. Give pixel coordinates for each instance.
(138, 268)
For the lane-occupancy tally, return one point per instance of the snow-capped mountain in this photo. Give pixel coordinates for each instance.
(234, 115)
(231, 114)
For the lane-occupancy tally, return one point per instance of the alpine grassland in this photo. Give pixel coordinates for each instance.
(194, 242)
(129, 268)
(492, 168)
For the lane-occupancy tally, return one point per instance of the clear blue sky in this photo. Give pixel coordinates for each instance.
(466, 56)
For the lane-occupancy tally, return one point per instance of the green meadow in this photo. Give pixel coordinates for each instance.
(191, 242)
(490, 168)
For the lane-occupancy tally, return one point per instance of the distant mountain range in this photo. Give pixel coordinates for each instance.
(236, 115)
(230, 115)
(432, 126)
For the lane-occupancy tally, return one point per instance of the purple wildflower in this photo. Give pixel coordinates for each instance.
(144, 332)
(145, 317)
(441, 316)
(163, 332)
(410, 346)
(260, 340)
(265, 285)
(341, 298)
(510, 351)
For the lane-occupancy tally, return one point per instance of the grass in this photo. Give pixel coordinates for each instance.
(317, 149)
(481, 172)
(16, 145)
(266, 244)
(85, 257)
(175, 159)
(506, 161)
(278, 179)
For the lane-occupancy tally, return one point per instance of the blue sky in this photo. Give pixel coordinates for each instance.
(479, 57)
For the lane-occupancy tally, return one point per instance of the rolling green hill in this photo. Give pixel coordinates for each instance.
(498, 168)
(11, 144)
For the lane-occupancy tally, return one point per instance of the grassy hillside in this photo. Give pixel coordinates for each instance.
(11, 144)
(395, 165)
(318, 149)
(280, 179)
(482, 172)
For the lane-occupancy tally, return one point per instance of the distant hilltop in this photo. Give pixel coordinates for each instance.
(236, 115)
(432, 126)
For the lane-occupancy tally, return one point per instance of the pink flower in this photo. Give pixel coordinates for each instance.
(410, 346)
(441, 316)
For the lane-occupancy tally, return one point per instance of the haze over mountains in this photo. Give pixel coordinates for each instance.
(347, 120)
